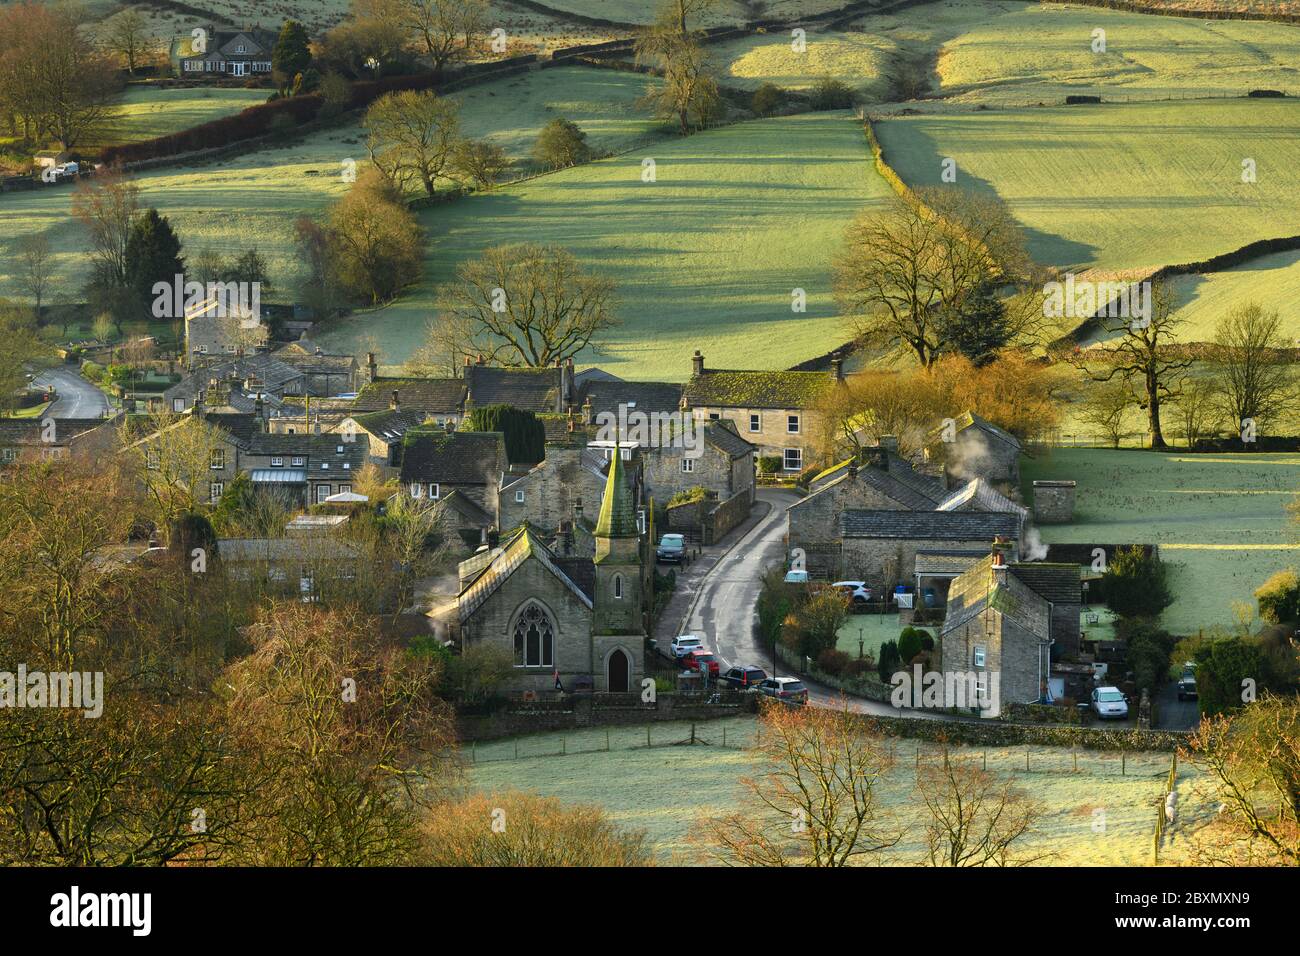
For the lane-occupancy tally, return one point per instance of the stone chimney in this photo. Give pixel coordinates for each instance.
(1001, 550)
(393, 402)
(889, 443)
(1054, 502)
(372, 370)
(697, 364)
(837, 368)
(588, 413)
(565, 397)
(577, 511)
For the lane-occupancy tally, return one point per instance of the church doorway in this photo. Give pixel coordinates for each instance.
(617, 668)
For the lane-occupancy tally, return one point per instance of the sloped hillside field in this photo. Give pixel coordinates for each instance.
(704, 256)
(1124, 186)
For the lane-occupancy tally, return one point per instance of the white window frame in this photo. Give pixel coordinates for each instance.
(792, 420)
(320, 498)
(416, 490)
(217, 460)
(178, 404)
(979, 655)
(345, 489)
(435, 491)
(785, 459)
(519, 497)
(688, 465)
(755, 422)
(277, 461)
(297, 461)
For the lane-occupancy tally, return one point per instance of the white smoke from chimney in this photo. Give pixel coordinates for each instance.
(1033, 547)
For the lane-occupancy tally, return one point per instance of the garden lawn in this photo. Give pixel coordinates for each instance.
(873, 630)
(1120, 187)
(664, 790)
(706, 256)
(1219, 519)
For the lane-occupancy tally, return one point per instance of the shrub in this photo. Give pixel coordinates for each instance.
(767, 99)
(769, 464)
(860, 666)
(1148, 649)
(92, 371)
(832, 662)
(1221, 667)
(909, 644)
(831, 94)
(1279, 597)
(698, 493)
(890, 661)
(560, 144)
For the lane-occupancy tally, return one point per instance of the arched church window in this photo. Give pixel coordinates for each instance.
(618, 586)
(534, 638)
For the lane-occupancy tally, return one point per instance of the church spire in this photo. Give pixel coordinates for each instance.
(617, 511)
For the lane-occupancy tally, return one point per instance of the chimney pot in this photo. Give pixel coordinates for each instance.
(394, 404)
(837, 368)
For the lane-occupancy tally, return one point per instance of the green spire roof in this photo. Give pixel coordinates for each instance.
(617, 513)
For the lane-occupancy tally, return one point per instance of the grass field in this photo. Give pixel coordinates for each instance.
(666, 788)
(146, 112)
(861, 60)
(1218, 519)
(1085, 180)
(705, 257)
(234, 203)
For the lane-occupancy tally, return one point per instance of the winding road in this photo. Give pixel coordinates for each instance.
(724, 611)
(75, 397)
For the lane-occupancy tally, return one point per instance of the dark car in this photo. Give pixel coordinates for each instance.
(672, 549)
(744, 677)
(1187, 684)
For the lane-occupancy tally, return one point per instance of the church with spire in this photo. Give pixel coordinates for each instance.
(569, 622)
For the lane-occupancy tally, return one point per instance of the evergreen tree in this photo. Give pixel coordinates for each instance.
(981, 327)
(153, 254)
(525, 435)
(292, 54)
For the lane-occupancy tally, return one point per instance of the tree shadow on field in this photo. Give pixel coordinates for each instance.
(920, 163)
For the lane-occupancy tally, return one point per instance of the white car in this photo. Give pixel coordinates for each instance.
(686, 643)
(1109, 703)
(855, 591)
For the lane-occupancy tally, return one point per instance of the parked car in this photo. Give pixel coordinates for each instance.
(796, 577)
(855, 591)
(702, 660)
(744, 677)
(672, 549)
(788, 690)
(1109, 703)
(683, 645)
(1187, 682)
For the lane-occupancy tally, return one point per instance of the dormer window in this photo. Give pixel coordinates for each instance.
(240, 48)
(277, 462)
(297, 461)
(338, 449)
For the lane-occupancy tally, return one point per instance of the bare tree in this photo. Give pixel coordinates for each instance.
(530, 305)
(479, 162)
(1253, 759)
(1196, 409)
(1141, 354)
(36, 268)
(688, 89)
(413, 137)
(973, 818)
(1106, 408)
(447, 27)
(172, 457)
(819, 804)
(129, 37)
(107, 206)
(909, 270)
(1255, 366)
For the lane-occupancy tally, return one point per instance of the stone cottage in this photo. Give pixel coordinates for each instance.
(971, 446)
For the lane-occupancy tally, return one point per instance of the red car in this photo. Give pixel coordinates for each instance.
(698, 659)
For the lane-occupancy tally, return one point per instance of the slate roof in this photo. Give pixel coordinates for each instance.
(318, 450)
(423, 396)
(986, 498)
(240, 426)
(467, 506)
(389, 425)
(28, 431)
(929, 525)
(1058, 583)
(971, 420)
(534, 389)
(948, 562)
(269, 372)
(735, 388)
(722, 434)
(608, 395)
(977, 589)
(453, 457)
(504, 562)
(303, 356)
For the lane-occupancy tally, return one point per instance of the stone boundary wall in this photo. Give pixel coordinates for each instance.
(726, 516)
(585, 713)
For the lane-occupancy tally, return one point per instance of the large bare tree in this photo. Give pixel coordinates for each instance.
(1255, 366)
(1142, 354)
(529, 305)
(817, 801)
(413, 137)
(107, 206)
(908, 271)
